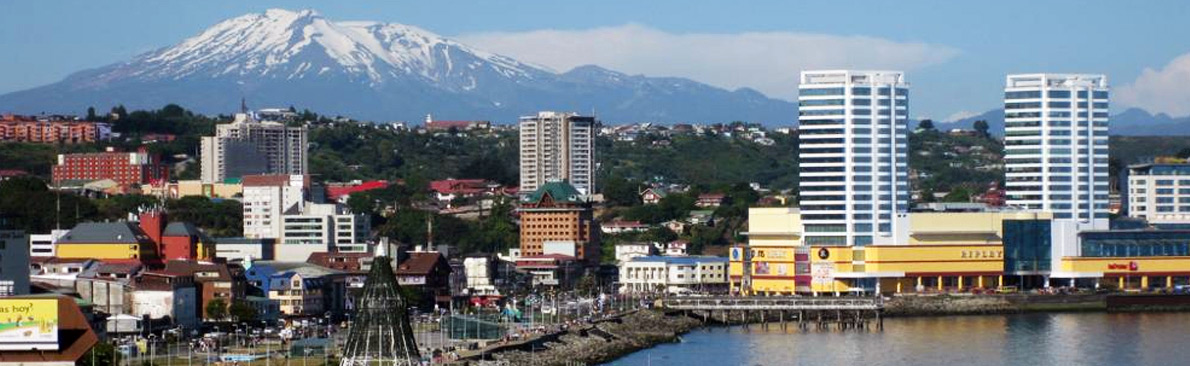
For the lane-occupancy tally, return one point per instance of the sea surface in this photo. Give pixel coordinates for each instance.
(1010, 340)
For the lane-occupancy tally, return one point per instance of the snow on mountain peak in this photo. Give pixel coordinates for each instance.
(289, 44)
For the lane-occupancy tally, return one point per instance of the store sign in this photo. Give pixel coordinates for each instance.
(28, 324)
(824, 253)
(735, 254)
(1130, 266)
(823, 273)
(982, 254)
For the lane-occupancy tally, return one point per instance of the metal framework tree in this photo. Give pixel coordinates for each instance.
(380, 333)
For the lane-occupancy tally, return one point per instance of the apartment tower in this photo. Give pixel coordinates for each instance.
(557, 146)
(1055, 148)
(247, 146)
(854, 187)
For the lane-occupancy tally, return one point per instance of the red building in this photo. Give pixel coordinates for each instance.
(29, 129)
(433, 125)
(178, 240)
(125, 168)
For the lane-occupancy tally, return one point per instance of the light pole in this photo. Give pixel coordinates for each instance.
(152, 353)
(268, 356)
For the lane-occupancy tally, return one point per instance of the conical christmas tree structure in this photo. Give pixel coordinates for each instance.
(380, 334)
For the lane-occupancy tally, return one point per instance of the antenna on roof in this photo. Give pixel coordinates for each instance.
(58, 213)
(429, 232)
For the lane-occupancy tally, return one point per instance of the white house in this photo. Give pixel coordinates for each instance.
(627, 251)
(675, 275)
(479, 271)
(159, 295)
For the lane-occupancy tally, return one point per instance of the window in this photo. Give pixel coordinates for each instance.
(821, 91)
(820, 102)
(1061, 94)
(1031, 94)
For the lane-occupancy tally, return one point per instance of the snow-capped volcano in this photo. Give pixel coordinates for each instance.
(374, 70)
(282, 44)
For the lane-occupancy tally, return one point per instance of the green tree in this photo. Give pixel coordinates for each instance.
(958, 194)
(1184, 153)
(31, 206)
(216, 309)
(619, 191)
(659, 235)
(242, 311)
(926, 124)
(927, 195)
(981, 128)
(490, 167)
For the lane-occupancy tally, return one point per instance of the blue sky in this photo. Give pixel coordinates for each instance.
(956, 53)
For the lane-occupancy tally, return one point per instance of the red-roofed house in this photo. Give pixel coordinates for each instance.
(618, 226)
(6, 174)
(710, 199)
(433, 125)
(449, 189)
(340, 191)
(677, 248)
(652, 196)
(214, 281)
(428, 273)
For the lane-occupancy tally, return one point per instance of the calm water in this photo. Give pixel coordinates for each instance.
(1012, 340)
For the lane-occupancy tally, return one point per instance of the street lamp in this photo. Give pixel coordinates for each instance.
(152, 354)
(268, 356)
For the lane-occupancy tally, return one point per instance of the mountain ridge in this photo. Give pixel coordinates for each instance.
(378, 71)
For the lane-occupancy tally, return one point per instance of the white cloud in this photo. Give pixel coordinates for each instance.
(1160, 91)
(766, 61)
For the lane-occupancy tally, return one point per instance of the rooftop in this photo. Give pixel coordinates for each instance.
(692, 260)
(558, 191)
(105, 233)
(420, 263)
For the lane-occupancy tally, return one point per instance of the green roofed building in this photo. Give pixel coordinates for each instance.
(557, 219)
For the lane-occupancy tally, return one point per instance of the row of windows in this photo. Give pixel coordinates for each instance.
(1052, 123)
(1059, 94)
(1053, 104)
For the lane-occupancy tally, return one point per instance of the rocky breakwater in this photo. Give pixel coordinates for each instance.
(603, 341)
(950, 304)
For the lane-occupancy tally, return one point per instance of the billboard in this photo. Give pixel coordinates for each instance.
(28, 324)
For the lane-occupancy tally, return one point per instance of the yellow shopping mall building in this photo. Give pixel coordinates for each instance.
(956, 251)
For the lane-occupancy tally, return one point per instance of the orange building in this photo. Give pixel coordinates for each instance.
(557, 216)
(27, 129)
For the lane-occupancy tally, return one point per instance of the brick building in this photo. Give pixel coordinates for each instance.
(28, 129)
(125, 168)
(557, 219)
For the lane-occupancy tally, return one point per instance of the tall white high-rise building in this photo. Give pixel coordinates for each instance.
(1055, 148)
(557, 146)
(854, 172)
(247, 146)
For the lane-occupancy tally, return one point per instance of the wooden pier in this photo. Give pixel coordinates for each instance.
(803, 312)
